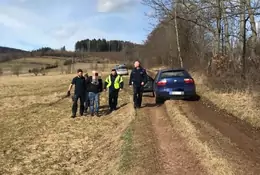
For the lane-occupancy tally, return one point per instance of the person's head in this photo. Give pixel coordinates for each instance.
(137, 64)
(80, 72)
(94, 74)
(113, 71)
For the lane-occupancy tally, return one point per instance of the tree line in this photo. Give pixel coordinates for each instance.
(101, 45)
(218, 37)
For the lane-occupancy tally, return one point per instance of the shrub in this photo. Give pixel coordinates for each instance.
(35, 71)
(67, 62)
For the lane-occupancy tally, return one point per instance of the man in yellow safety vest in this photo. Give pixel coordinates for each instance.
(114, 83)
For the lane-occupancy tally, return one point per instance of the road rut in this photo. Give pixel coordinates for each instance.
(236, 140)
(174, 155)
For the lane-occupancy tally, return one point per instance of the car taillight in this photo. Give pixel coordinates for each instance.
(188, 80)
(161, 83)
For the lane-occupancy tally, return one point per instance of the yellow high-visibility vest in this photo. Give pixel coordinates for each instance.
(117, 81)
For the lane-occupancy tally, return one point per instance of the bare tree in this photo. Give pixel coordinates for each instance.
(1, 71)
(16, 69)
(177, 34)
(69, 69)
(61, 67)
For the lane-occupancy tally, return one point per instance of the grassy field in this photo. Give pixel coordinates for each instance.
(242, 104)
(39, 137)
(30, 63)
(38, 62)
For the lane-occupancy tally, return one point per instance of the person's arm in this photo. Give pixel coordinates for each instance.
(100, 85)
(121, 83)
(106, 83)
(131, 78)
(88, 80)
(70, 86)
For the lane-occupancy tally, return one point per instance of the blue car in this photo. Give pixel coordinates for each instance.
(173, 83)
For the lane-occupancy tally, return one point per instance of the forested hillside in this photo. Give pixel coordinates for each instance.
(216, 37)
(10, 50)
(7, 53)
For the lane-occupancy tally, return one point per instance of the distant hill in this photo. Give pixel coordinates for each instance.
(10, 50)
(7, 53)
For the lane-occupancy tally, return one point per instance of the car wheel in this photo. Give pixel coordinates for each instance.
(159, 100)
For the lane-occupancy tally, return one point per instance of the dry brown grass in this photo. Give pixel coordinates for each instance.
(241, 104)
(214, 161)
(38, 137)
(39, 62)
(30, 63)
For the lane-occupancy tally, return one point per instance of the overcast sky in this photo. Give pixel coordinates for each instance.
(30, 24)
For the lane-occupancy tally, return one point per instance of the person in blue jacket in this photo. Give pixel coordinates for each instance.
(138, 79)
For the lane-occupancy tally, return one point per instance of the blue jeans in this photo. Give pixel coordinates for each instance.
(93, 102)
(86, 101)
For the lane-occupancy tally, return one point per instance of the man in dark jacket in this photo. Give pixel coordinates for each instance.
(138, 78)
(114, 83)
(94, 87)
(79, 92)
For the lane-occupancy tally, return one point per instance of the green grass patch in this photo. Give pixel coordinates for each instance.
(127, 150)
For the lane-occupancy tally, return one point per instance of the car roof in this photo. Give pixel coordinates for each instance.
(170, 69)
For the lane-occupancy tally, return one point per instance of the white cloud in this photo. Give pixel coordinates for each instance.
(115, 5)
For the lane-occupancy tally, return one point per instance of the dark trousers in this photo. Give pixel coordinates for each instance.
(86, 102)
(113, 97)
(138, 94)
(81, 98)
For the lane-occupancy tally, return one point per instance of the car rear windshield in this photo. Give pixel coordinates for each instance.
(121, 67)
(174, 73)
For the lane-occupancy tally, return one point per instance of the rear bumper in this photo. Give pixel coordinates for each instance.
(122, 73)
(166, 95)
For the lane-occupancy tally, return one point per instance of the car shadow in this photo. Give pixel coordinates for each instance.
(122, 105)
(150, 105)
(148, 95)
(103, 106)
(195, 98)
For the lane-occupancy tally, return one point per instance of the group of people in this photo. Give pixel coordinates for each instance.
(88, 88)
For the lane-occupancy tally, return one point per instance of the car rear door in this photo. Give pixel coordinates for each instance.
(148, 87)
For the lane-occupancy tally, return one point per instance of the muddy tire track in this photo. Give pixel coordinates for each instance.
(239, 142)
(174, 155)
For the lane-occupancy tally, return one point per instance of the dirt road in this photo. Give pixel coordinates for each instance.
(218, 143)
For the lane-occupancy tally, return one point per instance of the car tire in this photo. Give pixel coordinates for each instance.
(159, 100)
